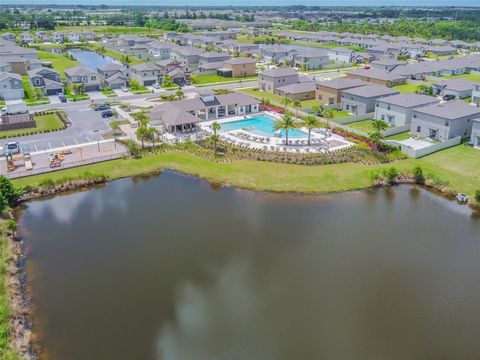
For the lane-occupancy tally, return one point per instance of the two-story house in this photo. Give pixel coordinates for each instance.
(361, 100)
(114, 75)
(476, 94)
(238, 67)
(186, 56)
(272, 79)
(27, 38)
(11, 86)
(146, 74)
(46, 79)
(306, 59)
(90, 79)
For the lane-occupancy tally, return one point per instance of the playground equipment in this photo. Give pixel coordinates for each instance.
(27, 158)
(10, 162)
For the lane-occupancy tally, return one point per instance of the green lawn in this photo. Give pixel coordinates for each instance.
(108, 92)
(114, 54)
(458, 166)
(47, 122)
(215, 79)
(29, 94)
(275, 99)
(364, 125)
(402, 136)
(472, 77)
(411, 88)
(59, 61)
(77, 97)
(339, 114)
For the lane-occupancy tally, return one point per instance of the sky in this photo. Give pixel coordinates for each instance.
(475, 3)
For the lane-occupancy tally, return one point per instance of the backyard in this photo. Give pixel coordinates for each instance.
(45, 123)
(473, 77)
(59, 61)
(365, 125)
(411, 88)
(214, 79)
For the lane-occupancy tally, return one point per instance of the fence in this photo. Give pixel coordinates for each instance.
(417, 153)
(396, 130)
(354, 118)
(16, 175)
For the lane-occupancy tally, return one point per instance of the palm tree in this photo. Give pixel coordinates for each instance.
(142, 133)
(328, 114)
(297, 105)
(286, 102)
(378, 126)
(215, 127)
(311, 122)
(179, 94)
(286, 123)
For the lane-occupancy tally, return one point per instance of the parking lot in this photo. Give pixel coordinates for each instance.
(85, 126)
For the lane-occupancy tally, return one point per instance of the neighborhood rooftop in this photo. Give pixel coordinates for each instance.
(367, 91)
(450, 110)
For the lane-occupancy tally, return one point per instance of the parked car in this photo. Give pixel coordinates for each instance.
(102, 107)
(25, 150)
(448, 97)
(124, 89)
(156, 85)
(62, 98)
(12, 147)
(107, 113)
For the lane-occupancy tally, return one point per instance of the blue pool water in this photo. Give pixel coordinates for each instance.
(261, 125)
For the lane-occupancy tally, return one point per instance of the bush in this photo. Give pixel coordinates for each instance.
(418, 175)
(477, 196)
(391, 175)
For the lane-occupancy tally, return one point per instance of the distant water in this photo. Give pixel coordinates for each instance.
(91, 59)
(171, 268)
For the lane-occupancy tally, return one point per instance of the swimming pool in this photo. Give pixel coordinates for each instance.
(261, 125)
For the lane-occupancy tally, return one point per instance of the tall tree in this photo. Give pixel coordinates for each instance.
(286, 123)
(311, 122)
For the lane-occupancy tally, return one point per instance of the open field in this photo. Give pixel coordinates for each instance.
(59, 62)
(407, 88)
(364, 125)
(217, 79)
(473, 77)
(458, 167)
(113, 29)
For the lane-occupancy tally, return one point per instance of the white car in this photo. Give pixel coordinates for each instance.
(156, 85)
(124, 89)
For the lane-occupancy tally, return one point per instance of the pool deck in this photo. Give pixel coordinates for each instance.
(322, 140)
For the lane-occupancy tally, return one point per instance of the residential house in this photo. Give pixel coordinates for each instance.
(27, 38)
(178, 76)
(306, 59)
(238, 67)
(271, 79)
(274, 53)
(330, 91)
(340, 55)
(58, 37)
(397, 110)
(212, 57)
(140, 51)
(43, 36)
(187, 56)
(5, 67)
(145, 74)
(114, 76)
(441, 50)
(297, 91)
(243, 48)
(75, 37)
(159, 50)
(361, 100)
(9, 36)
(476, 94)
(387, 64)
(459, 87)
(475, 137)
(377, 76)
(444, 121)
(188, 113)
(209, 68)
(220, 35)
(47, 80)
(11, 86)
(90, 79)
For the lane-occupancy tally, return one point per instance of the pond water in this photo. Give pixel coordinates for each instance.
(170, 267)
(91, 59)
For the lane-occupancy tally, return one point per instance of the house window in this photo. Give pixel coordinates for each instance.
(320, 97)
(93, 78)
(388, 107)
(419, 128)
(383, 117)
(37, 81)
(446, 123)
(348, 107)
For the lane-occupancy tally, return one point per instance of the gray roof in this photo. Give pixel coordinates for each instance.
(299, 87)
(409, 100)
(369, 91)
(379, 74)
(6, 75)
(340, 84)
(111, 66)
(388, 62)
(145, 67)
(458, 84)
(78, 71)
(450, 110)
(279, 72)
(240, 60)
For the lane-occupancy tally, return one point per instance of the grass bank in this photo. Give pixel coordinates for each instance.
(458, 168)
(59, 61)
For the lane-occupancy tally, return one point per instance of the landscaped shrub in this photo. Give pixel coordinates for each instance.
(391, 175)
(477, 196)
(418, 175)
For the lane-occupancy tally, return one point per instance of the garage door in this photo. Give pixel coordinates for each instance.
(54, 91)
(92, 88)
(149, 82)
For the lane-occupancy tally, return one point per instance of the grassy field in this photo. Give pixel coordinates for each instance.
(406, 88)
(48, 122)
(472, 77)
(459, 167)
(217, 79)
(364, 125)
(5, 352)
(112, 29)
(59, 62)
(339, 114)
(275, 99)
(402, 136)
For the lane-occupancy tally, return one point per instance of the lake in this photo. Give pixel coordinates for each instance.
(170, 267)
(91, 59)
